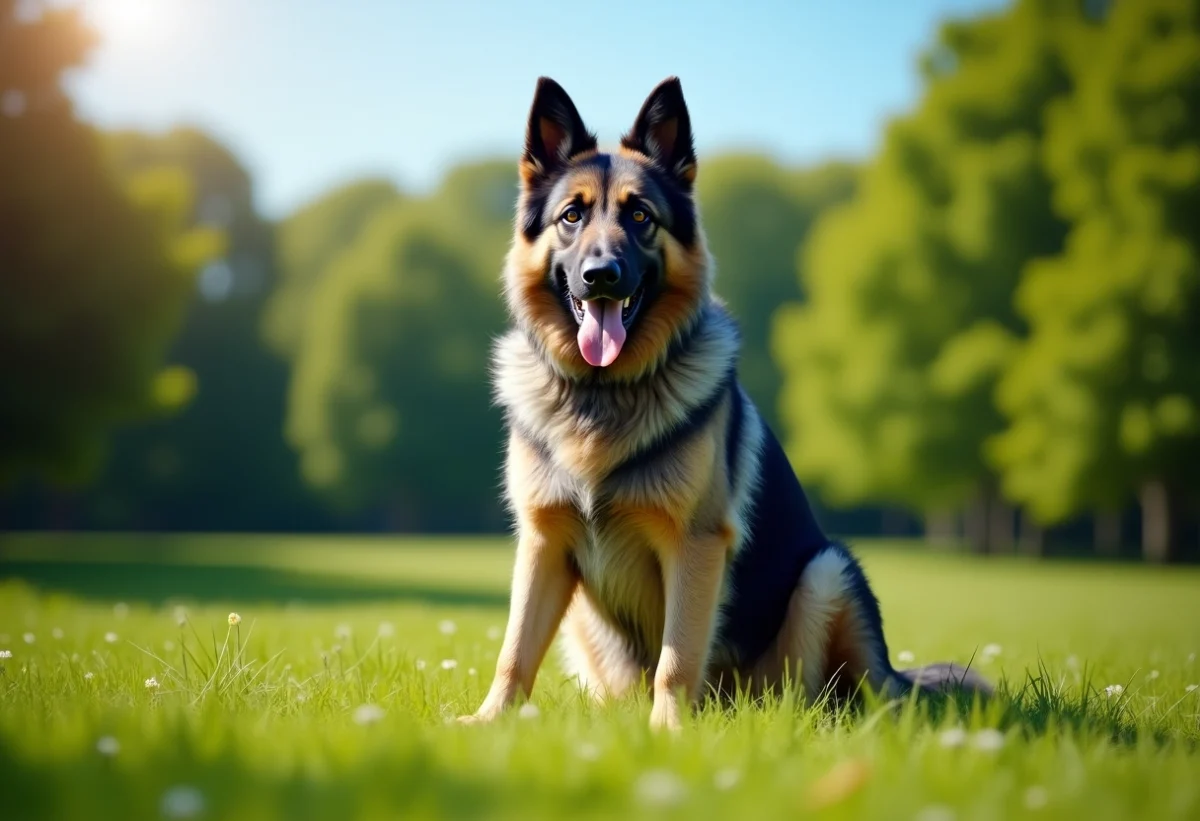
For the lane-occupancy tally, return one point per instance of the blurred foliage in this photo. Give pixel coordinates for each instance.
(306, 242)
(390, 401)
(222, 463)
(1103, 396)
(95, 269)
(756, 214)
(1009, 302)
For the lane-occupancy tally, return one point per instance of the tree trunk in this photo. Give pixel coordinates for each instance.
(1106, 529)
(941, 527)
(1031, 539)
(975, 520)
(1000, 524)
(1159, 528)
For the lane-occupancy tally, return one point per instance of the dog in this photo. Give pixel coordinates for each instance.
(661, 530)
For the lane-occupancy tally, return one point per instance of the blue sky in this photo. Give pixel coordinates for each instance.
(309, 94)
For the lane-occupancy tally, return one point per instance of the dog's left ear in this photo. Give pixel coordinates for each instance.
(663, 132)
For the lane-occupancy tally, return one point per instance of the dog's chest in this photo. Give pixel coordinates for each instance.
(622, 578)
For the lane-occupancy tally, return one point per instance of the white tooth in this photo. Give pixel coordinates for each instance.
(626, 305)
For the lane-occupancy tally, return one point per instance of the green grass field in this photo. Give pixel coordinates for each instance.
(128, 695)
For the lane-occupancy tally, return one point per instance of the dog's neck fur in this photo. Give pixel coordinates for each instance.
(551, 409)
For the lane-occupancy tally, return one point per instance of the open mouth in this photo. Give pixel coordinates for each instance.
(629, 306)
(602, 323)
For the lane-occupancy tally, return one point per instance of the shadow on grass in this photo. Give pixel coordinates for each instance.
(156, 583)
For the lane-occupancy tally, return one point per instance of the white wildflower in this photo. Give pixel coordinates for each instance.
(152, 683)
(1153, 675)
(529, 711)
(57, 633)
(1036, 798)
(30, 638)
(110, 637)
(449, 664)
(88, 676)
(494, 633)
(660, 788)
(1114, 690)
(5, 654)
(471, 671)
(935, 812)
(447, 627)
(588, 751)
(234, 619)
(1191, 688)
(420, 664)
(988, 740)
(386, 630)
(1072, 662)
(368, 714)
(953, 737)
(182, 802)
(107, 745)
(906, 657)
(726, 779)
(120, 610)
(335, 649)
(181, 615)
(342, 632)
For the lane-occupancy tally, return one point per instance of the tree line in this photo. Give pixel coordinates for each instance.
(987, 331)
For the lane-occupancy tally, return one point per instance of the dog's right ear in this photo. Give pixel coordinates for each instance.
(555, 133)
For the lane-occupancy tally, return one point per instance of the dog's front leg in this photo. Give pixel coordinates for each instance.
(692, 574)
(542, 585)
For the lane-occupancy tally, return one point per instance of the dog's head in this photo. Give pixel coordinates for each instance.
(608, 265)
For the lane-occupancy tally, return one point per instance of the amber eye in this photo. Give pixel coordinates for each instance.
(639, 216)
(572, 215)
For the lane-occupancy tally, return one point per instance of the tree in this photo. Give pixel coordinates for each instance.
(756, 215)
(890, 366)
(94, 270)
(222, 463)
(307, 241)
(390, 403)
(1103, 398)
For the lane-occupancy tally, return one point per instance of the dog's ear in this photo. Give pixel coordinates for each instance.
(555, 133)
(663, 132)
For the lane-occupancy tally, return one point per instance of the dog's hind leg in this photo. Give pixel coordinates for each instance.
(833, 633)
(830, 633)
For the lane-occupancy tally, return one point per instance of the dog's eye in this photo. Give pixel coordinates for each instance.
(572, 215)
(639, 216)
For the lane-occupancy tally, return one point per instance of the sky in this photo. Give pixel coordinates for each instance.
(310, 94)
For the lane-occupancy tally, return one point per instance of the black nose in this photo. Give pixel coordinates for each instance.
(599, 271)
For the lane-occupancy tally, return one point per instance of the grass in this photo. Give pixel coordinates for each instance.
(333, 698)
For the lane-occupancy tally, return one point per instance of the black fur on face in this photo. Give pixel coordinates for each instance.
(607, 210)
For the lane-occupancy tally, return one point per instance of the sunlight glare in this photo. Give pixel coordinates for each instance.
(133, 23)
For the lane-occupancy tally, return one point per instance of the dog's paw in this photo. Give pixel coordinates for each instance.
(665, 716)
(476, 718)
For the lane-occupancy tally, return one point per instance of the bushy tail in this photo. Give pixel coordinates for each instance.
(945, 678)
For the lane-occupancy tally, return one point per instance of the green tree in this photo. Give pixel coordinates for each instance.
(306, 242)
(756, 215)
(1104, 396)
(222, 463)
(891, 364)
(390, 403)
(94, 270)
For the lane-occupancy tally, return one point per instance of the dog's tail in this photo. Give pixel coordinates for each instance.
(944, 678)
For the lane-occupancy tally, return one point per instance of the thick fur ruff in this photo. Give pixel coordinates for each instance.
(661, 531)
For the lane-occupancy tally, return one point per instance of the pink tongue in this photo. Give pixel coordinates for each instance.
(602, 333)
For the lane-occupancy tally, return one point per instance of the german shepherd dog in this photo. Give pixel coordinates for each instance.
(660, 525)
